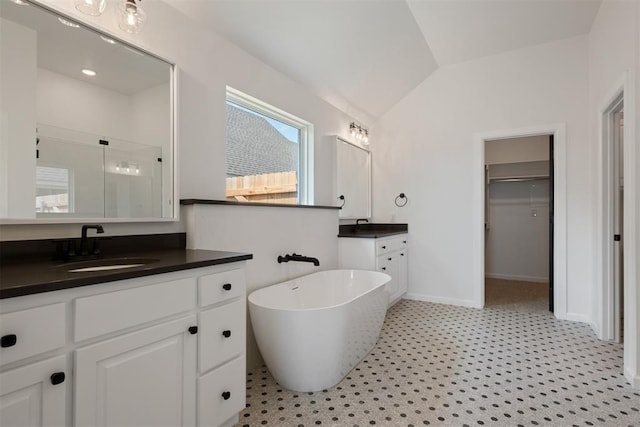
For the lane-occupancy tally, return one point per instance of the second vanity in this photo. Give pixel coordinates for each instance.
(158, 344)
(379, 247)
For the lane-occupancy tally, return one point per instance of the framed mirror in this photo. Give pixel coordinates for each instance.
(354, 180)
(86, 123)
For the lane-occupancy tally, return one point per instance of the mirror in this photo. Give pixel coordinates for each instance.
(86, 122)
(354, 180)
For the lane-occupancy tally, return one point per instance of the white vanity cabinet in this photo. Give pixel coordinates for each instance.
(385, 254)
(33, 394)
(160, 350)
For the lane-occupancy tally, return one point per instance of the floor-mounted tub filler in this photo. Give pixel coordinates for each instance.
(313, 330)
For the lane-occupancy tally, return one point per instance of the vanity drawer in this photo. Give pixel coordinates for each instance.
(218, 287)
(222, 393)
(384, 246)
(101, 314)
(33, 331)
(222, 334)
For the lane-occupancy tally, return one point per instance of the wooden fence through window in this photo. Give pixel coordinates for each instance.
(280, 187)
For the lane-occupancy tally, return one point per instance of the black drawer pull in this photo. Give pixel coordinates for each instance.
(57, 378)
(226, 333)
(384, 247)
(226, 286)
(389, 258)
(8, 340)
(193, 330)
(404, 241)
(402, 254)
(226, 395)
(384, 268)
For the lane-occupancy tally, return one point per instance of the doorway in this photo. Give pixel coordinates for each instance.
(518, 223)
(613, 127)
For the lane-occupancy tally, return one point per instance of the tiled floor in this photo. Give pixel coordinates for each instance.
(445, 365)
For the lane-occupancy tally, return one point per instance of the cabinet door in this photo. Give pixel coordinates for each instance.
(33, 395)
(144, 378)
(388, 263)
(403, 280)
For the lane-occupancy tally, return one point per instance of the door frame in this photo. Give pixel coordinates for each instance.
(609, 286)
(625, 87)
(558, 131)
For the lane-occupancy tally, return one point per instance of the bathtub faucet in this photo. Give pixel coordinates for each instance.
(296, 257)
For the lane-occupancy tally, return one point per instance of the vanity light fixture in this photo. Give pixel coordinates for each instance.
(359, 132)
(68, 23)
(91, 7)
(131, 17)
(88, 72)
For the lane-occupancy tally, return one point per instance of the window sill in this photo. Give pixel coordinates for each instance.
(232, 203)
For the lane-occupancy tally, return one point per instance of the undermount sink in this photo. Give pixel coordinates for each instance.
(106, 264)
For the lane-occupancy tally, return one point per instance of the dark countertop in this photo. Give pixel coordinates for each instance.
(372, 230)
(26, 266)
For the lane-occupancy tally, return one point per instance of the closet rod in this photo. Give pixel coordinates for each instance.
(537, 178)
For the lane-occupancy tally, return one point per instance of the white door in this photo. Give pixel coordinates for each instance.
(388, 263)
(34, 395)
(144, 378)
(403, 281)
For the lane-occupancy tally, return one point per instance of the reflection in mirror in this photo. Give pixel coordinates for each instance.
(86, 122)
(354, 180)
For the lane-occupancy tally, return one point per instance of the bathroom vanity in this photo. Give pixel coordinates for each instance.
(162, 343)
(379, 247)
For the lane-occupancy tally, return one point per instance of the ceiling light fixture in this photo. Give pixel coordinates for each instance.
(108, 40)
(91, 7)
(131, 17)
(68, 23)
(359, 132)
(88, 72)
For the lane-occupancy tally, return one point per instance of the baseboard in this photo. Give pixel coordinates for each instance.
(577, 317)
(633, 379)
(536, 279)
(442, 300)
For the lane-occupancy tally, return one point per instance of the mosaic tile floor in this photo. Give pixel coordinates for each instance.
(444, 365)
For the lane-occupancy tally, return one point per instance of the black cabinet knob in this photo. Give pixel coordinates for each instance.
(193, 330)
(8, 340)
(226, 333)
(404, 241)
(226, 395)
(226, 286)
(389, 258)
(57, 378)
(384, 268)
(402, 254)
(384, 247)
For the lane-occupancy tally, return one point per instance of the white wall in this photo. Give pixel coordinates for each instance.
(613, 64)
(514, 150)
(17, 120)
(517, 239)
(266, 232)
(424, 148)
(74, 104)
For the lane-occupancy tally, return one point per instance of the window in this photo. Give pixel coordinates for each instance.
(53, 186)
(269, 153)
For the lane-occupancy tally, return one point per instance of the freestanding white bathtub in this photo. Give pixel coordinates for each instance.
(313, 330)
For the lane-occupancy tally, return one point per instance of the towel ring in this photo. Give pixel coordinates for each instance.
(401, 197)
(341, 197)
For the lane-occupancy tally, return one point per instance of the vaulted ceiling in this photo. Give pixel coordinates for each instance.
(363, 56)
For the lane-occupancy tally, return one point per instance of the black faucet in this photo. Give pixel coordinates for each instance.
(84, 242)
(296, 257)
(357, 227)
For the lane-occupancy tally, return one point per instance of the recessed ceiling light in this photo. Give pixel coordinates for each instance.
(108, 40)
(20, 2)
(88, 72)
(68, 23)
